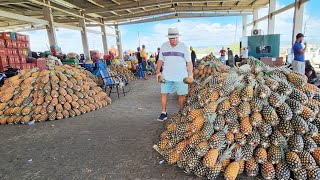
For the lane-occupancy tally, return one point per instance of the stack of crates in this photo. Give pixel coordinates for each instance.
(14, 48)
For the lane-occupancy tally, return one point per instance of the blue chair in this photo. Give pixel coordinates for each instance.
(110, 80)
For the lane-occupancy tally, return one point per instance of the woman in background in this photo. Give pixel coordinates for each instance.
(310, 72)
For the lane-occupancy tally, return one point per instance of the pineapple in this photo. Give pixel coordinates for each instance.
(263, 91)
(219, 123)
(211, 156)
(307, 161)
(256, 104)
(277, 138)
(252, 167)
(229, 138)
(270, 115)
(299, 125)
(299, 96)
(231, 115)
(214, 172)
(285, 128)
(247, 92)
(201, 170)
(247, 151)
(171, 156)
(254, 138)
(313, 173)
(261, 155)
(282, 171)
(268, 171)
(271, 83)
(313, 129)
(233, 168)
(202, 148)
(308, 114)
(309, 144)
(245, 126)
(218, 138)
(276, 100)
(296, 143)
(224, 106)
(265, 129)
(295, 106)
(293, 161)
(244, 109)
(284, 87)
(316, 155)
(235, 98)
(300, 174)
(256, 119)
(275, 154)
(296, 78)
(284, 112)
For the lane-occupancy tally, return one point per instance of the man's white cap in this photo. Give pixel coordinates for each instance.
(173, 33)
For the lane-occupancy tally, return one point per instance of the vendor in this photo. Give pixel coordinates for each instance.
(310, 72)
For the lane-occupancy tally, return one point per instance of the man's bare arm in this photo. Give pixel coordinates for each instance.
(190, 69)
(159, 65)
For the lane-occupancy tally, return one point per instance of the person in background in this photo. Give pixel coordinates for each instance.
(310, 72)
(298, 63)
(144, 57)
(177, 65)
(237, 60)
(230, 57)
(139, 56)
(157, 58)
(223, 55)
(131, 57)
(245, 54)
(193, 57)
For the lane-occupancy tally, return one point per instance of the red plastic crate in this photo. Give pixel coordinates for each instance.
(20, 51)
(33, 65)
(8, 43)
(23, 59)
(19, 37)
(3, 60)
(9, 51)
(14, 44)
(14, 52)
(27, 45)
(13, 59)
(19, 44)
(25, 66)
(5, 35)
(27, 38)
(3, 51)
(2, 43)
(41, 63)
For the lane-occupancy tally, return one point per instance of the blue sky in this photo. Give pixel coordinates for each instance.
(198, 32)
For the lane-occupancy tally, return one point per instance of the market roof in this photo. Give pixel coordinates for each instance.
(124, 11)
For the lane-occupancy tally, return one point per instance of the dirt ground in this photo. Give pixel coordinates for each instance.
(111, 143)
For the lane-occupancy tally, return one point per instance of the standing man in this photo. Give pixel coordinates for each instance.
(298, 63)
(193, 57)
(223, 55)
(230, 57)
(144, 57)
(175, 58)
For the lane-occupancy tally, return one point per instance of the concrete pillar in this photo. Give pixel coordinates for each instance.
(271, 18)
(104, 37)
(85, 45)
(255, 17)
(297, 19)
(47, 12)
(119, 44)
(244, 26)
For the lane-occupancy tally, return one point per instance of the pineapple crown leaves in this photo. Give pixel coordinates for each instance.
(34, 70)
(211, 117)
(238, 154)
(225, 155)
(245, 69)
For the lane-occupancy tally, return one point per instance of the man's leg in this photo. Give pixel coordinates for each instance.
(181, 100)
(164, 102)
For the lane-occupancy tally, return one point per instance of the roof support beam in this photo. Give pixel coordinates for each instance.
(51, 32)
(271, 19)
(255, 17)
(119, 44)
(170, 10)
(277, 12)
(104, 37)
(145, 4)
(181, 15)
(244, 26)
(84, 37)
(22, 18)
(297, 19)
(114, 1)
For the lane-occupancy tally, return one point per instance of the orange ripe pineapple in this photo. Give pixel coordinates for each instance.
(224, 106)
(245, 126)
(214, 96)
(256, 119)
(197, 123)
(4, 120)
(68, 98)
(268, 171)
(211, 157)
(195, 113)
(62, 91)
(26, 110)
(261, 155)
(54, 101)
(59, 108)
(59, 115)
(316, 155)
(233, 168)
(235, 98)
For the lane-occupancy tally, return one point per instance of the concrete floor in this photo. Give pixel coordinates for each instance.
(111, 143)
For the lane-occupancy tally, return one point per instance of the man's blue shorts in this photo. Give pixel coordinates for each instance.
(168, 86)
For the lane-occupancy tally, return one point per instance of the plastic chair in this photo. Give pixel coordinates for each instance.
(111, 81)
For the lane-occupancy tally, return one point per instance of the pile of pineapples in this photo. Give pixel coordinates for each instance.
(121, 69)
(252, 120)
(55, 94)
(208, 66)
